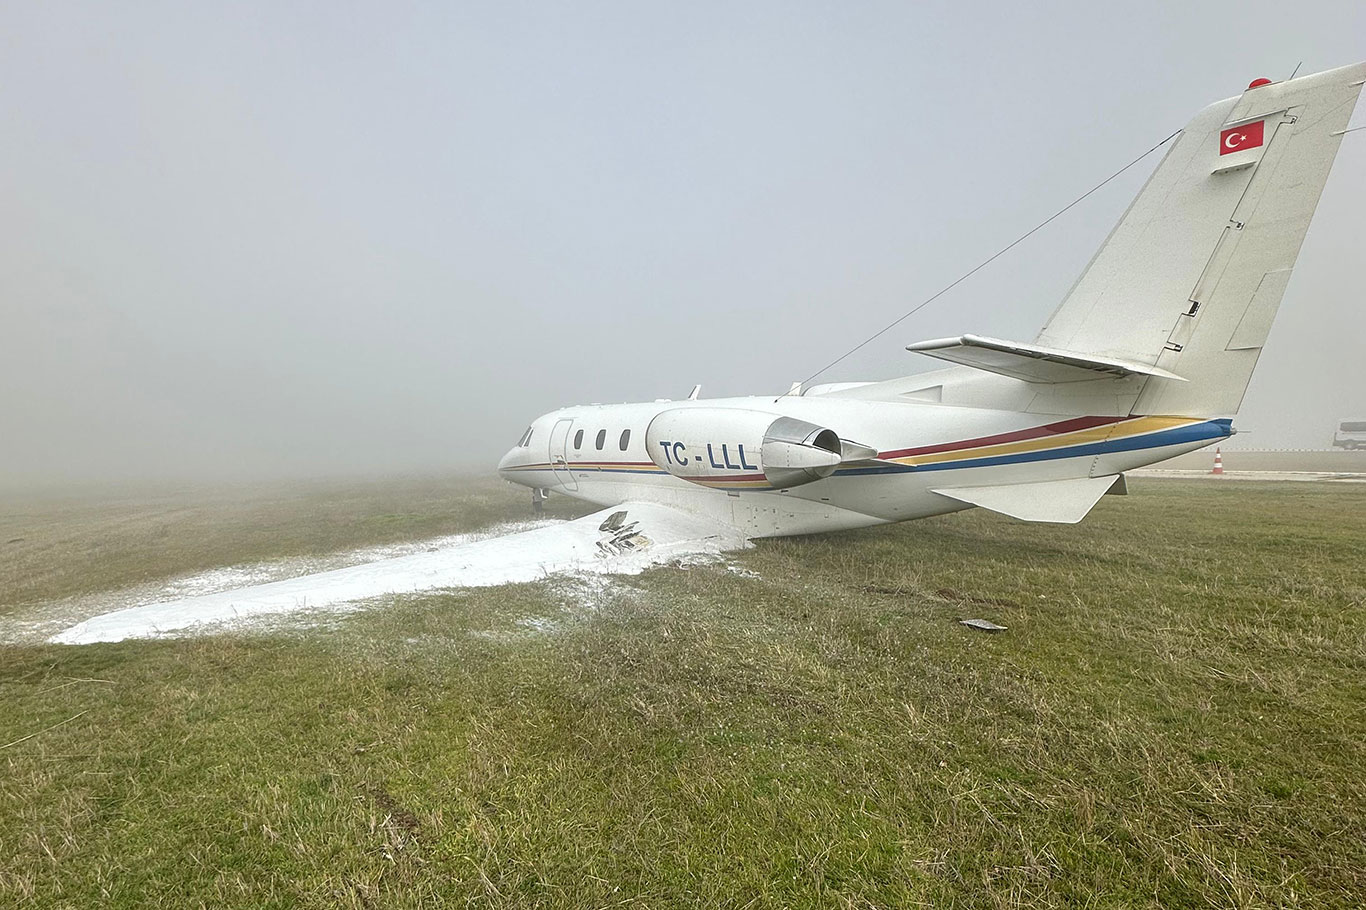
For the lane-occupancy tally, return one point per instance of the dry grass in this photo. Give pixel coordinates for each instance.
(1174, 719)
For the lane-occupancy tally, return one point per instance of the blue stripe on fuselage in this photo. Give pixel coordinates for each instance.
(1195, 432)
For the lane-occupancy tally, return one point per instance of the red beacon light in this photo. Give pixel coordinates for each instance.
(1258, 83)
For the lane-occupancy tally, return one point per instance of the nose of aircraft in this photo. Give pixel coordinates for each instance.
(519, 465)
(506, 462)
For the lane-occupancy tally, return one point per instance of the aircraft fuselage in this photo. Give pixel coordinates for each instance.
(890, 456)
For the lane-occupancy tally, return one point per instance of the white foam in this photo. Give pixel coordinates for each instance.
(529, 555)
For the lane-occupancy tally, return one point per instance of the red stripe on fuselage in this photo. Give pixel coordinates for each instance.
(1052, 429)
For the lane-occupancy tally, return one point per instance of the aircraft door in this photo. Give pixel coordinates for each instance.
(559, 447)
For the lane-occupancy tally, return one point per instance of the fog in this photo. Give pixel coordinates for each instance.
(316, 239)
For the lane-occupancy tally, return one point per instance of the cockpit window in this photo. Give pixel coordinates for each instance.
(602, 438)
(525, 440)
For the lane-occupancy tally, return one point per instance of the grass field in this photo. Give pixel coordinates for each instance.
(1175, 718)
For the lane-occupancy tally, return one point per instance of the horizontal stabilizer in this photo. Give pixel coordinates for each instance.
(1031, 362)
(1061, 501)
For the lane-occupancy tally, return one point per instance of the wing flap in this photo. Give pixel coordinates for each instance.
(1031, 362)
(624, 539)
(1059, 501)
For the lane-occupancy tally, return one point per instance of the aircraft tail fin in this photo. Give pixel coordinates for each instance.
(1191, 277)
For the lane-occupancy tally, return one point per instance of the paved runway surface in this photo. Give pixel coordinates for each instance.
(1253, 475)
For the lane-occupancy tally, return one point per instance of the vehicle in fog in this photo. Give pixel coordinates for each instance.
(1351, 434)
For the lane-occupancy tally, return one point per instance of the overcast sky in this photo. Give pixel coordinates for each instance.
(290, 239)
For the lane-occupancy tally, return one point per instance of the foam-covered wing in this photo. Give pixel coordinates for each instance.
(624, 539)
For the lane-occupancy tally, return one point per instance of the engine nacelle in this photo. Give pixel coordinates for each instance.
(738, 449)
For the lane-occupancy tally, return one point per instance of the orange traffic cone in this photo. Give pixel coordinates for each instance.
(1218, 462)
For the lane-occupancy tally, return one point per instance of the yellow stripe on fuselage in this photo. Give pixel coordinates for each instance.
(1121, 430)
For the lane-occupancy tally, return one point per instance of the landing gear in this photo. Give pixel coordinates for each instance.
(538, 501)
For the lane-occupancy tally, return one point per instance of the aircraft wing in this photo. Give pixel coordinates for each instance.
(1057, 501)
(623, 539)
(1031, 362)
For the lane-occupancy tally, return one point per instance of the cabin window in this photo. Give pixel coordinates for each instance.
(525, 440)
(578, 440)
(602, 438)
(625, 439)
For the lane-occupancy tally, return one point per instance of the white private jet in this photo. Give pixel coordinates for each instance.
(1147, 357)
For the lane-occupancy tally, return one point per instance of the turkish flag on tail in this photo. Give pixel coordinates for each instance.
(1242, 138)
